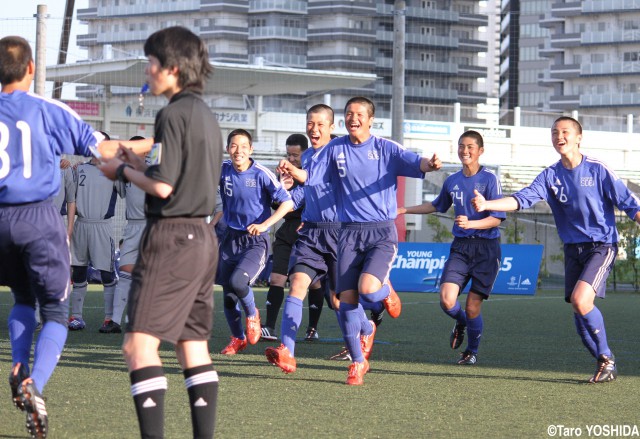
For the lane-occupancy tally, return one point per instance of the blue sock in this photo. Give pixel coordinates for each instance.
(22, 326)
(583, 332)
(249, 303)
(366, 328)
(47, 353)
(352, 323)
(291, 318)
(376, 296)
(340, 321)
(233, 316)
(456, 313)
(474, 332)
(376, 307)
(595, 325)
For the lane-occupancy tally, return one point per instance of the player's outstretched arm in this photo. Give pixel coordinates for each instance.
(287, 169)
(489, 222)
(421, 209)
(111, 169)
(283, 209)
(432, 164)
(109, 148)
(506, 204)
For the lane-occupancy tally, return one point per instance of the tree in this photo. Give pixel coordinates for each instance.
(629, 241)
(440, 232)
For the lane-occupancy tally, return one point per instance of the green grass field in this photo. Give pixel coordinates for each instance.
(531, 374)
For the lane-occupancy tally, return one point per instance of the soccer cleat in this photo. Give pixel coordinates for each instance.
(282, 358)
(312, 334)
(235, 345)
(253, 328)
(377, 317)
(268, 334)
(468, 358)
(357, 372)
(392, 303)
(37, 419)
(110, 327)
(343, 355)
(16, 377)
(366, 341)
(76, 323)
(605, 371)
(457, 335)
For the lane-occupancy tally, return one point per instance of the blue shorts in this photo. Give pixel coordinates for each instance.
(476, 260)
(241, 251)
(35, 258)
(365, 248)
(315, 252)
(590, 262)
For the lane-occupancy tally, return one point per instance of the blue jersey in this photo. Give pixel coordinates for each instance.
(582, 200)
(317, 194)
(34, 132)
(247, 196)
(458, 190)
(365, 177)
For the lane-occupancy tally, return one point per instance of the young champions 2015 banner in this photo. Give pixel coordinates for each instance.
(418, 268)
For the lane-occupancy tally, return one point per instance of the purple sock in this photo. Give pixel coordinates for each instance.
(22, 326)
(595, 325)
(474, 332)
(291, 318)
(352, 321)
(583, 332)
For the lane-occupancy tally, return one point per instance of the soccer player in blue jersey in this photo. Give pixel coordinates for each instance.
(247, 189)
(475, 252)
(582, 193)
(363, 171)
(34, 250)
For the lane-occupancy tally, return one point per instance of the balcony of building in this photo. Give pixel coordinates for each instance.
(421, 14)
(566, 9)
(232, 6)
(277, 32)
(619, 36)
(146, 8)
(565, 71)
(617, 6)
(280, 59)
(566, 40)
(549, 21)
(240, 58)
(610, 100)
(346, 33)
(569, 102)
(471, 97)
(546, 50)
(84, 40)
(471, 71)
(474, 20)
(420, 40)
(87, 14)
(413, 93)
(355, 8)
(287, 6)
(610, 68)
(224, 32)
(414, 65)
(470, 45)
(341, 61)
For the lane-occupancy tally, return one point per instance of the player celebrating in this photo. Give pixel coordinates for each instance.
(34, 132)
(171, 296)
(582, 193)
(247, 189)
(475, 252)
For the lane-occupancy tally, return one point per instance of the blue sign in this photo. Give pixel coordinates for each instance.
(418, 267)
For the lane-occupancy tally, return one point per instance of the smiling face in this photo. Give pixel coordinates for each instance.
(469, 151)
(566, 137)
(161, 81)
(358, 121)
(240, 150)
(294, 155)
(319, 128)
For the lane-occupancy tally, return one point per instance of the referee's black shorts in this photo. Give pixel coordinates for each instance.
(285, 237)
(171, 294)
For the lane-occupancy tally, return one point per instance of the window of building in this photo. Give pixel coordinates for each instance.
(427, 83)
(427, 56)
(631, 56)
(597, 57)
(428, 5)
(428, 30)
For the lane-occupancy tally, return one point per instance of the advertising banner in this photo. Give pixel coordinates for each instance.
(418, 268)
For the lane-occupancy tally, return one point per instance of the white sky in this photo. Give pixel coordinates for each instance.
(18, 20)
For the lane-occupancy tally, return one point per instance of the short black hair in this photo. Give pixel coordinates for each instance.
(239, 132)
(106, 136)
(15, 56)
(570, 119)
(321, 108)
(177, 46)
(474, 135)
(297, 139)
(137, 138)
(363, 101)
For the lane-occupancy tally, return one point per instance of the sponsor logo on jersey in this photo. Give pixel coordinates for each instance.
(341, 155)
(480, 187)
(587, 181)
(456, 188)
(251, 182)
(373, 155)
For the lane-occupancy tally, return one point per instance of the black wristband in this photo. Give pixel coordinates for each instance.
(120, 172)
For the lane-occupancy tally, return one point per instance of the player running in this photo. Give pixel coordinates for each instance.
(582, 193)
(475, 252)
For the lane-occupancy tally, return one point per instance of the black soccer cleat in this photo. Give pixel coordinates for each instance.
(468, 358)
(605, 370)
(377, 317)
(312, 334)
(37, 418)
(457, 335)
(16, 377)
(343, 355)
(110, 327)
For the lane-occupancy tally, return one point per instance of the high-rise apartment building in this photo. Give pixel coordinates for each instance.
(444, 44)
